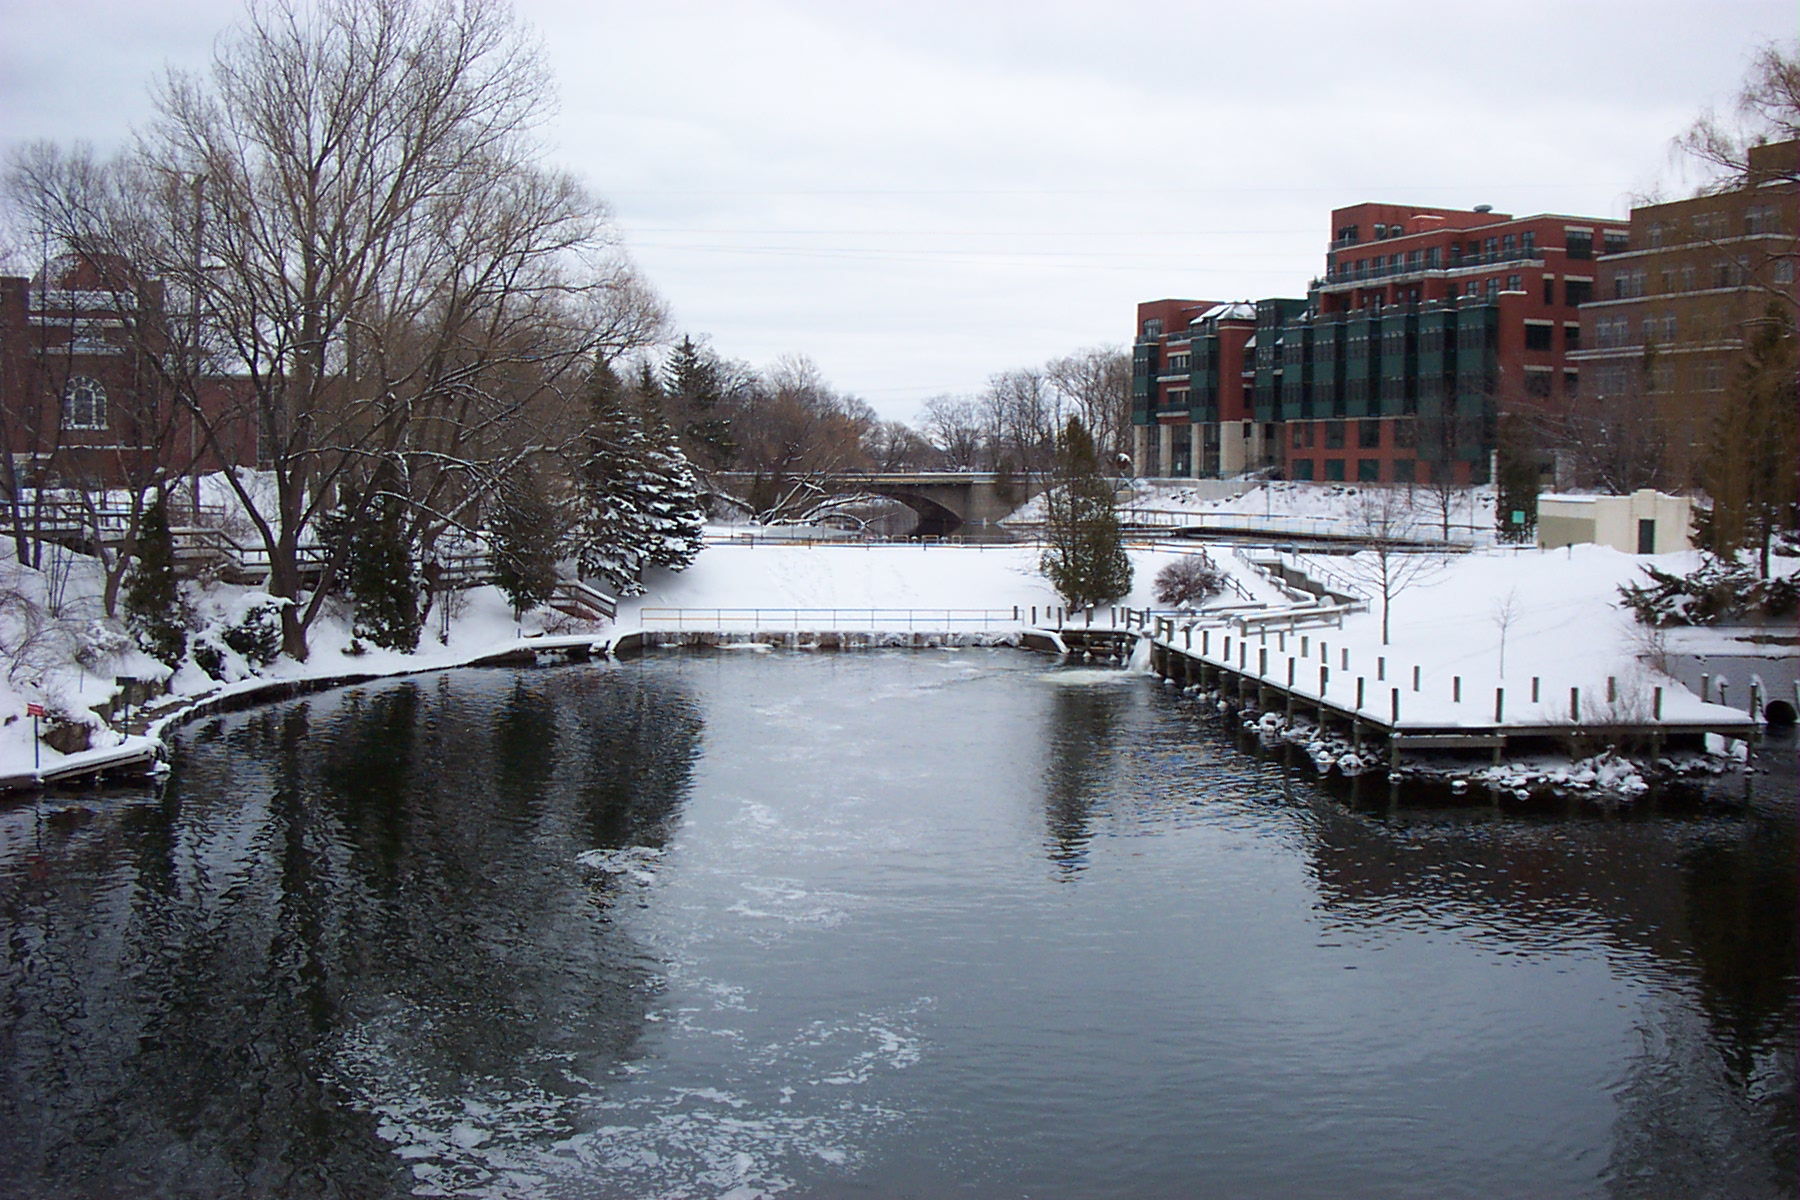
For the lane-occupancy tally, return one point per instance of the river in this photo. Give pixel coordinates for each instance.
(883, 924)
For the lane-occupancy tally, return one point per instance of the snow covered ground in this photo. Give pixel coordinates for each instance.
(1566, 628)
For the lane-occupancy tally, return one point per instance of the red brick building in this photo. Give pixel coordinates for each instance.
(85, 396)
(1426, 322)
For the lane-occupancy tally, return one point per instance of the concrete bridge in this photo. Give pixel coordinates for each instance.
(944, 500)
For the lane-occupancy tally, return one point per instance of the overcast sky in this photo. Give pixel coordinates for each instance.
(918, 195)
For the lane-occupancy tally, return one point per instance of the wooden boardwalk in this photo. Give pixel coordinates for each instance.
(1266, 670)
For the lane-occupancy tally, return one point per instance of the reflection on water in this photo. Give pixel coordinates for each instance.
(882, 924)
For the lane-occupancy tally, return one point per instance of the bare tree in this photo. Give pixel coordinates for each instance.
(1020, 411)
(354, 201)
(1391, 560)
(1767, 109)
(1095, 384)
(955, 427)
(1507, 612)
(797, 437)
(1612, 437)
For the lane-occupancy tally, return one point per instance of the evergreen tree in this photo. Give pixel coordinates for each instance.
(154, 611)
(610, 532)
(526, 533)
(1085, 560)
(384, 579)
(1516, 482)
(670, 496)
(1748, 459)
(696, 392)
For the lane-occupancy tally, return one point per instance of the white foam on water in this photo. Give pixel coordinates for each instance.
(501, 1139)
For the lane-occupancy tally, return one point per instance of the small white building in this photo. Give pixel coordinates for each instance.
(1645, 522)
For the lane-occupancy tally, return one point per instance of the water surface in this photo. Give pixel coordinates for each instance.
(883, 924)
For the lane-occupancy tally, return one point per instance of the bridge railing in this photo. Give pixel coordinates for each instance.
(814, 620)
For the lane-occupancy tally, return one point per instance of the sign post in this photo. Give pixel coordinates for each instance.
(34, 710)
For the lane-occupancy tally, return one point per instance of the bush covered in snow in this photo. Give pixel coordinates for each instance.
(1720, 591)
(1189, 580)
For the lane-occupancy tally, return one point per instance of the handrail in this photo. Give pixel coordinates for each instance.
(754, 620)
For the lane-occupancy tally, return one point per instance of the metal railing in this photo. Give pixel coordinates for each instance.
(813, 620)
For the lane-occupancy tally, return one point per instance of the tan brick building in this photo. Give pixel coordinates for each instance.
(1669, 318)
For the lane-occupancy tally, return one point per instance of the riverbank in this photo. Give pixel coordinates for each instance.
(1534, 624)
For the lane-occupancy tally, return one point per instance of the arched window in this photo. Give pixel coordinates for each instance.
(83, 404)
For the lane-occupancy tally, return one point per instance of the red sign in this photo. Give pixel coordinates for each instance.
(34, 710)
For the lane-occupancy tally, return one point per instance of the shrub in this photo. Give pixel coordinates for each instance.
(257, 634)
(1188, 580)
(1721, 590)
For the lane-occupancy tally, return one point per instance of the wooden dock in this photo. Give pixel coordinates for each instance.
(1249, 669)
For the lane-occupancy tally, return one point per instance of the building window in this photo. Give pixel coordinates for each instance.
(1577, 291)
(1759, 219)
(1334, 437)
(83, 404)
(1368, 470)
(1493, 288)
(1507, 243)
(1406, 433)
(1368, 434)
(1490, 246)
(1617, 241)
(1668, 329)
(1537, 384)
(1725, 274)
(1153, 328)
(1431, 258)
(1571, 337)
(1303, 469)
(1334, 470)
(1571, 384)
(1528, 240)
(1579, 243)
(1549, 289)
(1298, 442)
(1404, 470)
(1784, 271)
(1537, 337)
(1711, 376)
(1515, 283)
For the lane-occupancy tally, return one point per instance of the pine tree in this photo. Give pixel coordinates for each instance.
(1748, 459)
(383, 578)
(695, 392)
(671, 495)
(154, 611)
(611, 535)
(526, 533)
(1085, 560)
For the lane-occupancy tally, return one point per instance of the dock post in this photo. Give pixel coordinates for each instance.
(1346, 658)
(1015, 612)
(1304, 651)
(1456, 689)
(1534, 689)
(1499, 705)
(1612, 689)
(1281, 640)
(1706, 688)
(1575, 704)
(1359, 693)
(1034, 614)
(1290, 672)
(1355, 735)
(1324, 679)
(1656, 704)
(1187, 638)
(1262, 661)
(1243, 652)
(1227, 655)
(1756, 699)
(1396, 711)
(1206, 641)
(1415, 677)
(1324, 651)
(1381, 670)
